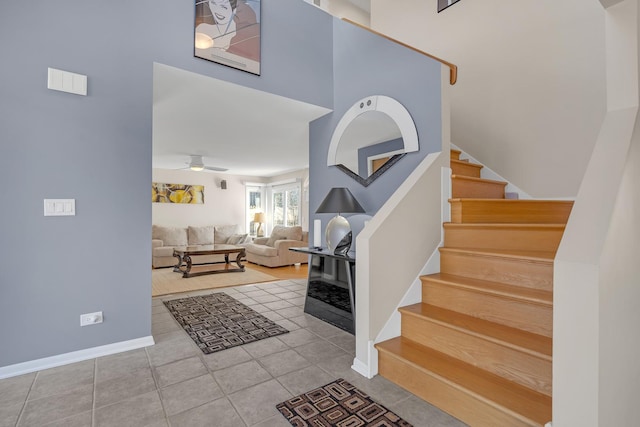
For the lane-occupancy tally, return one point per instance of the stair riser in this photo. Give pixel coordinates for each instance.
(536, 318)
(455, 154)
(511, 271)
(465, 169)
(510, 212)
(474, 189)
(454, 400)
(517, 366)
(508, 238)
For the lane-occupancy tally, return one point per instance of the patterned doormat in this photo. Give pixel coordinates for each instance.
(338, 404)
(217, 321)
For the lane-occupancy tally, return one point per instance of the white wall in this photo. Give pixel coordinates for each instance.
(344, 9)
(530, 96)
(220, 206)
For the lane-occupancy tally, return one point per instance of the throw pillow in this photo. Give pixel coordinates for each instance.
(289, 233)
(201, 235)
(170, 236)
(237, 239)
(223, 232)
(275, 236)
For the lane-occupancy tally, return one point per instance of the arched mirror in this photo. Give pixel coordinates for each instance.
(371, 136)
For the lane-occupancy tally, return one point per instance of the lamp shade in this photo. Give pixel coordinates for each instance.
(340, 200)
(259, 217)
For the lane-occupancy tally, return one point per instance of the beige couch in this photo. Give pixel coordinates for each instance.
(274, 251)
(165, 239)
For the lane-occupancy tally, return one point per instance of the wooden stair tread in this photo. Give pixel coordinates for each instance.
(466, 163)
(534, 256)
(509, 396)
(455, 154)
(470, 178)
(503, 226)
(469, 199)
(535, 296)
(533, 344)
(511, 211)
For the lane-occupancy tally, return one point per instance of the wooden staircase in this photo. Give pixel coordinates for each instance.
(479, 344)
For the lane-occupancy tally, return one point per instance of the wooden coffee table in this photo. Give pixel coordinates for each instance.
(184, 254)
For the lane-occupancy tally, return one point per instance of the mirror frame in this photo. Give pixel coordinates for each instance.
(383, 104)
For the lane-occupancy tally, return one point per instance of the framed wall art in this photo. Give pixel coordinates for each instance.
(177, 193)
(443, 4)
(228, 32)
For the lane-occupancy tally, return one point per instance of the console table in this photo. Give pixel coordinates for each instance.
(331, 287)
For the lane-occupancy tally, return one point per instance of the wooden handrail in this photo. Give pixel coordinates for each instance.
(453, 69)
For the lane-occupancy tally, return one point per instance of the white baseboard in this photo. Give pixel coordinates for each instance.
(370, 370)
(74, 356)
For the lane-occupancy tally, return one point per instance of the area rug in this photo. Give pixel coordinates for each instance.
(338, 404)
(165, 281)
(217, 321)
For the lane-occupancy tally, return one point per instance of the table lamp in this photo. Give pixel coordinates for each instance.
(338, 232)
(259, 218)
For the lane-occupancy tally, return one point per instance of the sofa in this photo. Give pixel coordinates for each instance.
(165, 239)
(274, 251)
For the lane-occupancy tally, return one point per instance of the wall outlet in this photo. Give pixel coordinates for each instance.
(90, 318)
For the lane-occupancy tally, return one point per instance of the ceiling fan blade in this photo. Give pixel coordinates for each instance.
(216, 169)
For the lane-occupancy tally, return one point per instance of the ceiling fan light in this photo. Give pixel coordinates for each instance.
(196, 168)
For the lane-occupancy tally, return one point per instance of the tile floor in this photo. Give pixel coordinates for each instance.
(174, 384)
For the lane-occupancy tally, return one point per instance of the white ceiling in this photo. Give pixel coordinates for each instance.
(245, 130)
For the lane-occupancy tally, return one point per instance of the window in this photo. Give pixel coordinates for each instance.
(255, 204)
(286, 205)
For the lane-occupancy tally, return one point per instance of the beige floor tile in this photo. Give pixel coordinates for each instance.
(14, 390)
(241, 376)
(277, 421)
(284, 362)
(83, 419)
(299, 337)
(63, 380)
(142, 410)
(318, 351)
(120, 364)
(177, 348)
(124, 387)
(9, 413)
(224, 359)
(421, 413)
(219, 413)
(266, 346)
(56, 407)
(179, 371)
(258, 403)
(305, 380)
(189, 394)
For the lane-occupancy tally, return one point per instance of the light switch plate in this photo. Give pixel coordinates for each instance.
(59, 207)
(65, 81)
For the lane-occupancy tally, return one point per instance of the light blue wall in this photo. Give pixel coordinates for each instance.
(97, 149)
(365, 65)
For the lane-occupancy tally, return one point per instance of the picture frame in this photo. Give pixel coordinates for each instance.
(177, 193)
(443, 4)
(228, 32)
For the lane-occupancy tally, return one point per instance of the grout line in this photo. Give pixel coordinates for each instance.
(155, 381)
(95, 385)
(26, 399)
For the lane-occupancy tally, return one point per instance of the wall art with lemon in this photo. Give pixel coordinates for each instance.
(177, 193)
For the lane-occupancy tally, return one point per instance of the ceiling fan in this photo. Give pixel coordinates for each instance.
(197, 164)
